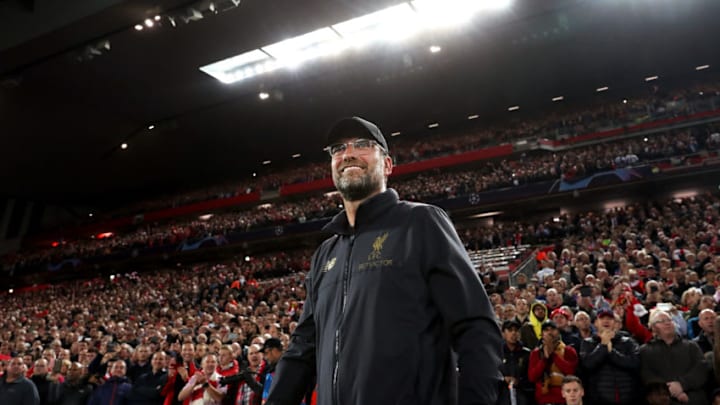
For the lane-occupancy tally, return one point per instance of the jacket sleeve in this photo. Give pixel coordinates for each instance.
(296, 368)
(633, 325)
(457, 292)
(568, 362)
(536, 366)
(625, 355)
(695, 377)
(592, 354)
(648, 369)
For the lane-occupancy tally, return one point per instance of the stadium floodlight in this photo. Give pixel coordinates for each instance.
(514, 108)
(651, 78)
(702, 67)
(294, 51)
(450, 13)
(391, 24)
(239, 67)
(558, 98)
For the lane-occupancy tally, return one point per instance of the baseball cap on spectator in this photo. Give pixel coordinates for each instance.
(605, 312)
(272, 343)
(561, 311)
(510, 323)
(356, 127)
(548, 324)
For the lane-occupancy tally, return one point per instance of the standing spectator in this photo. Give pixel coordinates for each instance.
(47, 388)
(75, 390)
(550, 362)
(531, 332)
(273, 350)
(408, 263)
(515, 367)
(140, 363)
(572, 390)
(562, 317)
(115, 390)
(670, 360)
(203, 387)
(15, 388)
(612, 361)
(228, 366)
(250, 390)
(705, 339)
(147, 387)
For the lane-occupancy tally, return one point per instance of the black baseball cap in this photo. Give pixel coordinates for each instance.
(356, 127)
(548, 324)
(510, 323)
(272, 343)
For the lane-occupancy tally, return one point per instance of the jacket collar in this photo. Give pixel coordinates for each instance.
(367, 213)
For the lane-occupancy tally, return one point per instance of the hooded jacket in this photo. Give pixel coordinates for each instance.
(530, 333)
(391, 305)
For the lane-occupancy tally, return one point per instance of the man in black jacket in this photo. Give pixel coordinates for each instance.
(612, 362)
(147, 386)
(391, 296)
(75, 390)
(515, 367)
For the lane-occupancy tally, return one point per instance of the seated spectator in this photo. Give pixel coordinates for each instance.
(611, 361)
(670, 360)
(550, 362)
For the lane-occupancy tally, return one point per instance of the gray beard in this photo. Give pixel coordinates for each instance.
(356, 190)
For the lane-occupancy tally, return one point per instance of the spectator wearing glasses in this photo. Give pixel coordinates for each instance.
(391, 266)
(670, 360)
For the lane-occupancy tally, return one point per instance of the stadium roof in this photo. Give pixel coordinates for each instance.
(78, 81)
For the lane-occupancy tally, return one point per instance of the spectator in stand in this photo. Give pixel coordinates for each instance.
(572, 390)
(147, 386)
(706, 339)
(550, 362)
(140, 363)
(204, 388)
(531, 331)
(515, 367)
(15, 388)
(563, 317)
(670, 360)
(611, 361)
(75, 390)
(114, 391)
(273, 350)
(251, 388)
(47, 388)
(228, 366)
(583, 325)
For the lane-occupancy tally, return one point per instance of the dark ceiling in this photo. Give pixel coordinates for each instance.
(62, 121)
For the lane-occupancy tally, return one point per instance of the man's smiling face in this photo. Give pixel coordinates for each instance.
(359, 174)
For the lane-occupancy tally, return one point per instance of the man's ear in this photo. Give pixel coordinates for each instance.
(388, 165)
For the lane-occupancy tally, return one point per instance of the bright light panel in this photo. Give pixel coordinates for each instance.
(238, 67)
(294, 51)
(392, 24)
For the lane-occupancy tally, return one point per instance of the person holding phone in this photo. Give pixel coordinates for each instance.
(550, 362)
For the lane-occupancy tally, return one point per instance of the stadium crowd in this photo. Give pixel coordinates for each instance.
(524, 169)
(624, 298)
(568, 122)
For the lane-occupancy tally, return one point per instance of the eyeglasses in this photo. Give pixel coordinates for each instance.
(359, 145)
